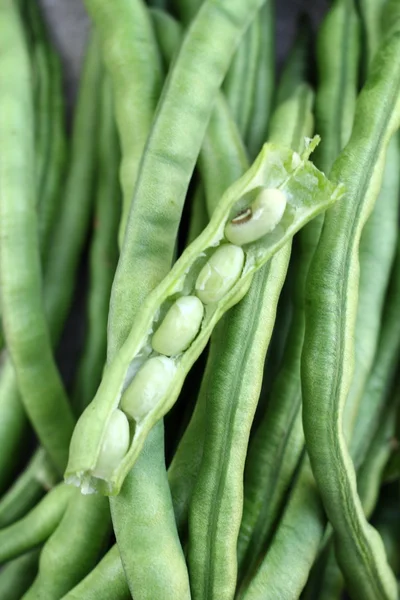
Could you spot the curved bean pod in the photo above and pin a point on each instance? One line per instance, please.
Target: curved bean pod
(209, 43)
(237, 354)
(128, 47)
(170, 579)
(256, 131)
(107, 580)
(21, 283)
(338, 80)
(330, 314)
(103, 254)
(264, 487)
(17, 576)
(73, 548)
(276, 576)
(146, 492)
(222, 155)
(30, 486)
(383, 372)
(13, 422)
(377, 250)
(33, 529)
(292, 177)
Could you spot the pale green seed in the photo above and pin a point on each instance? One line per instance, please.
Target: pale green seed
(220, 273)
(115, 445)
(148, 387)
(260, 218)
(179, 327)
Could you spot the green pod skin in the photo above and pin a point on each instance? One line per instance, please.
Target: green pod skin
(240, 80)
(74, 547)
(182, 114)
(278, 443)
(42, 93)
(107, 580)
(50, 147)
(337, 80)
(276, 576)
(371, 16)
(13, 422)
(377, 250)
(17, 576)
(222, 155)
(233, 383)
(63, 255)
(307, 195)
(103, 254)
(170, 579)
(24, 316)
(256, 131)
(383, 372)
(38, 477)
(146, 489)
(33, 529)
(330, 315)
(370, 475)
(74, 216)
(128, 45)
(185, 464)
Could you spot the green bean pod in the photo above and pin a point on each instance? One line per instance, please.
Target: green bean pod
(146, 492)
(35, 527)
(169, 557)
(38, 477)
(73, 548)
(292, 117)
(370, 474)
(63, 255)
(377, 250)
(307, 191)
(337, 80)
(277, 576)
(107, 580)
(13, 422)
(17, 575)
(330, 315)
(128, 46)
(222, 155)
(256, 131)
(228, 401)
(103, 254)
(383, 372)
(182, 114)
(21, 282)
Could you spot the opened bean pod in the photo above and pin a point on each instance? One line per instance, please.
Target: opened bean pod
(306, 192)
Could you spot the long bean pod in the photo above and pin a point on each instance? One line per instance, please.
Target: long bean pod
(128, 47)
(38, 477)
(33, 529)
(107, 580)
(73, 548)
(230, 406)
(103, 254)
(21, 282)
(330, 314)
(17, 575)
